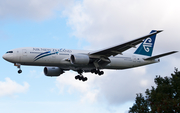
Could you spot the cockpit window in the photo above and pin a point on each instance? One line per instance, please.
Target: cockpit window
(9, 52)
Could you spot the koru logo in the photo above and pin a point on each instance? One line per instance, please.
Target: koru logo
(147, 44)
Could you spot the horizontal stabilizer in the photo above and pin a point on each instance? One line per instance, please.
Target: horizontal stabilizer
(161, 55)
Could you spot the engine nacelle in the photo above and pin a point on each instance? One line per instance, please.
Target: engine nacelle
(79, 59)
(53, 71)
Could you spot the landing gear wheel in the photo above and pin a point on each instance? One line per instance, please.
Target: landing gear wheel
(100, 73)
(77, 77)
(84, 79)
(80, 77)
(19, 71)
(97, 71)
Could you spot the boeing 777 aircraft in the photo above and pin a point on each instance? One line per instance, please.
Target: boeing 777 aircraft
(57, 61)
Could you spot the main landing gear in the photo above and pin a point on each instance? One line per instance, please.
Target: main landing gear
(97, 71)
(80, 76)
(19, 67)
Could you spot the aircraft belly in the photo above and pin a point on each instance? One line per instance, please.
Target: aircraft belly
(126, 62)
(119, 63)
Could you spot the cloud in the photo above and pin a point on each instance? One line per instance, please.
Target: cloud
(105, 23)
(10, 87)
(115, 87)
(119, 87)
(67, 83)
(111, 22)
(31, 9)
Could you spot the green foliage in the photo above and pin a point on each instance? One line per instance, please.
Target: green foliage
(165, 98)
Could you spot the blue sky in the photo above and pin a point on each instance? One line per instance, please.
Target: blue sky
(85, 24)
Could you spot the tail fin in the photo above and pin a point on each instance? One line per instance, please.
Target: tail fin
(146, 47)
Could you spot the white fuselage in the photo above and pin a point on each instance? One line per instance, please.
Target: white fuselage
(61, 58)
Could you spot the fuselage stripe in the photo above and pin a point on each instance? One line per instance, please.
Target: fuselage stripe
(41, 56)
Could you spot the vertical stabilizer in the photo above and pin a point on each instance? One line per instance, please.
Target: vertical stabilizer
(146, 47)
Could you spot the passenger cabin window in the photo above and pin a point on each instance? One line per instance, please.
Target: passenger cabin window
(9, 52)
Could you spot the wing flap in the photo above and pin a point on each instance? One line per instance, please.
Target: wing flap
(161, 55)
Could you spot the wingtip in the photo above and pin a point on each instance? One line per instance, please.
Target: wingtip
(175, 51)
(158, 31)
(172, 52)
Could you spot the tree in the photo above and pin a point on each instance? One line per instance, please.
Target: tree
(165, 98)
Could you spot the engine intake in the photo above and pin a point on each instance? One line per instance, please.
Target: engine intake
(79, 59)
(53, 71)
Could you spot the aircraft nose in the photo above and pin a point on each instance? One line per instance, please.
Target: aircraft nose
(4, 56)
(7, 57)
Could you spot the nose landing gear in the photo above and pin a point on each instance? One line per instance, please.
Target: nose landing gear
(19, 67)
(19, 71)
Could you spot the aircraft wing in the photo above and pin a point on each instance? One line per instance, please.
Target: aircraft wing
(115, 50)
(161, 55)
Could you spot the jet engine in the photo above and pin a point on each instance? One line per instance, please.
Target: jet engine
(53, 71)
(79, 59)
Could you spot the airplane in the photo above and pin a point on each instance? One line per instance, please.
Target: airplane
(59, 60)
